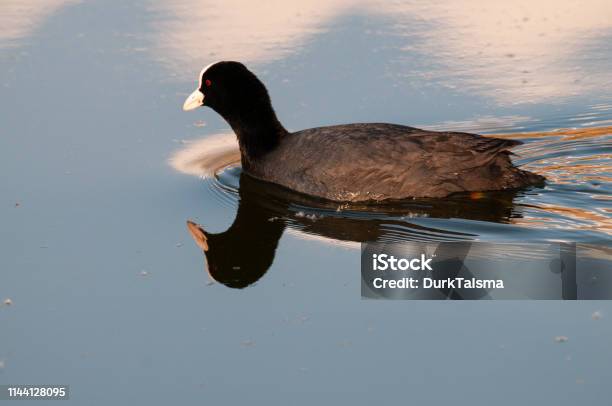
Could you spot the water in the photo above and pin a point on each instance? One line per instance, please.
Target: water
(101, 170)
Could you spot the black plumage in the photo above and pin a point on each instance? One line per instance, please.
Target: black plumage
(355, 162)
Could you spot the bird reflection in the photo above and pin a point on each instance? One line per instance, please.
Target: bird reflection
(241, 255)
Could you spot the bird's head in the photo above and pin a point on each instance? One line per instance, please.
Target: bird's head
(230, 89)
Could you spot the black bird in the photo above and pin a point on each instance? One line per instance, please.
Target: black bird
(366, 162)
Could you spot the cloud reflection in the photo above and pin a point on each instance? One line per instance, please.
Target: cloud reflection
(20, 17)
(519, 52)
(199, 31)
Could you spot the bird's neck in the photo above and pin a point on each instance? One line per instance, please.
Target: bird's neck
(258, 133)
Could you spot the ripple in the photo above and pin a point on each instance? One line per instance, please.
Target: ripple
(578, 166)
(207, 156)
(575, 204)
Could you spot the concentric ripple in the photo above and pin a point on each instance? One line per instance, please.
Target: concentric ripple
(577, 164)
(575, 205)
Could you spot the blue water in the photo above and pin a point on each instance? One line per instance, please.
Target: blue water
(109, 292)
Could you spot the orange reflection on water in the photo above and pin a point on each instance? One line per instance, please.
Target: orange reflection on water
(569, 168)
(580, 219)
(568, 134)
(572, 169)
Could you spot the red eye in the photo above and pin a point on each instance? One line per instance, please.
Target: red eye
(208, 82)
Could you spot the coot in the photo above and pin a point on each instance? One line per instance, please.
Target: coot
(352, 162)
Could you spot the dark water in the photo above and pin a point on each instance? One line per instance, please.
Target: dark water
(109, 291)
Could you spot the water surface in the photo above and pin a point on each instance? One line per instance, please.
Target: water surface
(101, 170)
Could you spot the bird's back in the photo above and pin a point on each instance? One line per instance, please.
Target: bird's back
(376, 161)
